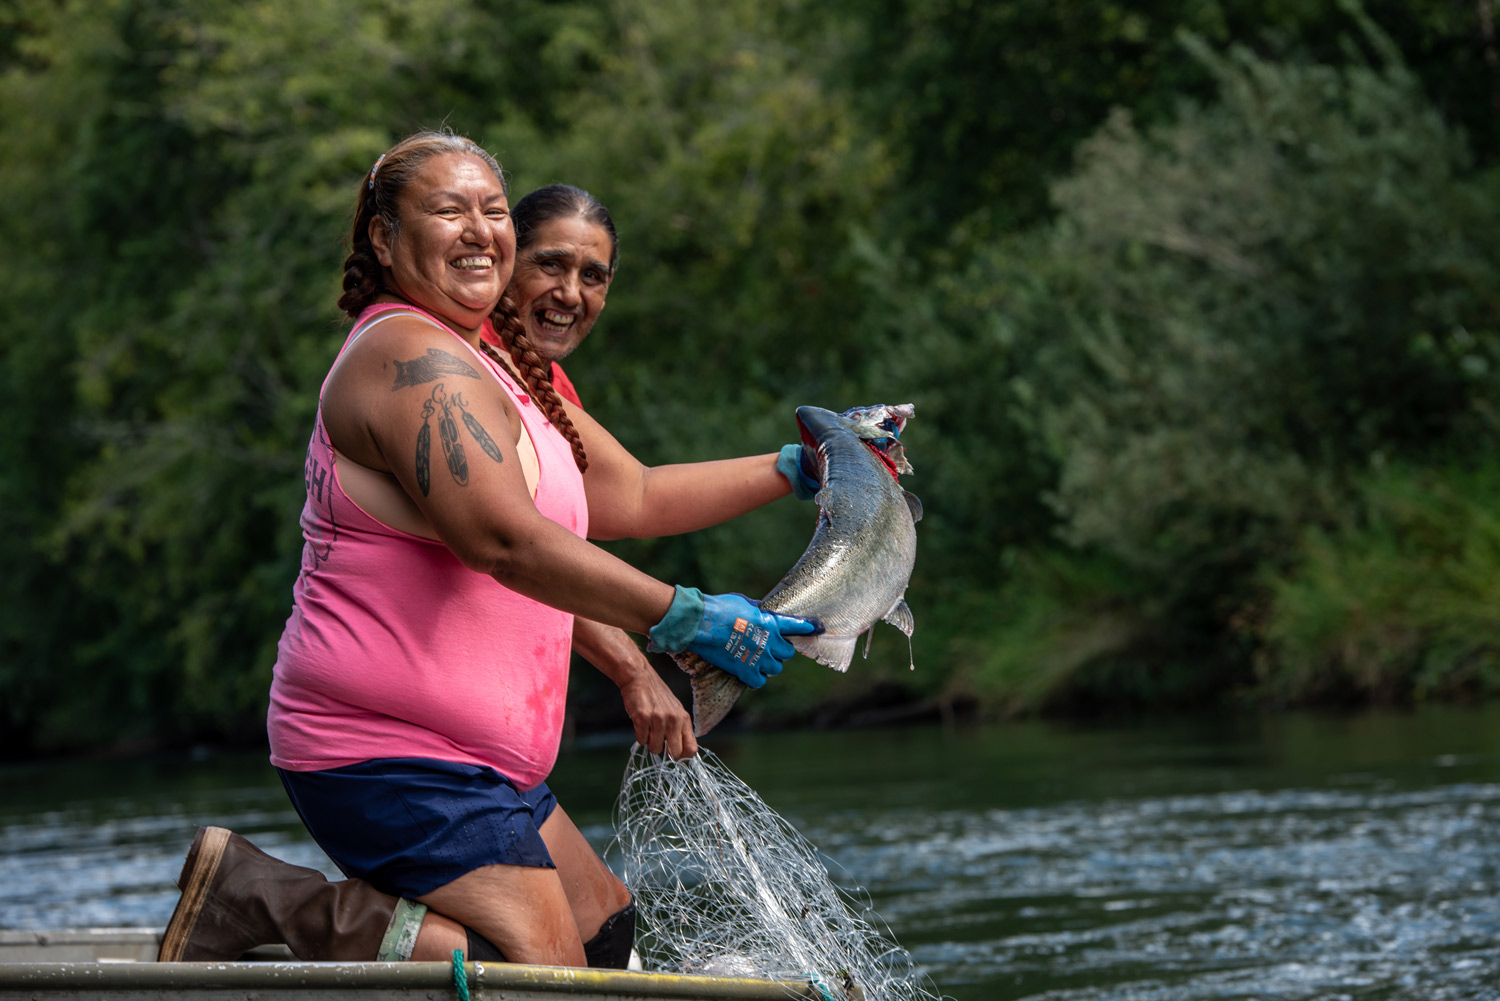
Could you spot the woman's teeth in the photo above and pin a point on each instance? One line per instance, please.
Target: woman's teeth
(554, 321)
(473, 263)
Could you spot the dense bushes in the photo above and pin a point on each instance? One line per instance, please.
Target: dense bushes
(1245, 317)
(1212, 421)
(1400, 600)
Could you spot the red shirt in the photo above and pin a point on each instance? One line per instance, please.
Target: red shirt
(564, 385)
(560, 380)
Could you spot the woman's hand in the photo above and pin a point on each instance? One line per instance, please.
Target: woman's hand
(800, 468)
(661, 723)
(731, 632)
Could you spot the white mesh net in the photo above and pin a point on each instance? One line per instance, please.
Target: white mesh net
(725, 886)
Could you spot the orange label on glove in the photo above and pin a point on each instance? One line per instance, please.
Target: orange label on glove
(746, 647)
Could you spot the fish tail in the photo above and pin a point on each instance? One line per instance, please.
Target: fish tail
(714, 691)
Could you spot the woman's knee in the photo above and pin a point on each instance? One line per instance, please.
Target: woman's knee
(523, 912)
(612, 944)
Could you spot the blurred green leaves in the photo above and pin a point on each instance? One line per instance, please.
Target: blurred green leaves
(1174, 286)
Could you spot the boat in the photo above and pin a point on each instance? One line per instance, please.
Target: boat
(119, 964)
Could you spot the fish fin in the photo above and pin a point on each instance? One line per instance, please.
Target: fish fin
(836, 652)
(900, 616)
(914, 505)
(869, 638)
(897, 454)
(714, 691)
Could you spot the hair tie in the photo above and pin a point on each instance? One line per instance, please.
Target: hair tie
(375, 168)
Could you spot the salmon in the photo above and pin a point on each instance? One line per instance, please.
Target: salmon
(855, 571)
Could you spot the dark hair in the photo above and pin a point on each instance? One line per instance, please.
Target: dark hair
(559, 201)
(364, 278)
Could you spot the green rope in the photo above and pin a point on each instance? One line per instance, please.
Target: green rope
(822, 988)
(460, 977)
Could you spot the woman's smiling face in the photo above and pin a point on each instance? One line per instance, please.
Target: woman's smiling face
(455, 248)
(561, 279)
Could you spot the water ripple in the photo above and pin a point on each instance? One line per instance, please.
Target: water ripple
(1286, 894)
(1189, 869)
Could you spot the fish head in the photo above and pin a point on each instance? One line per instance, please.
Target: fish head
(878, 426)
(881, 422)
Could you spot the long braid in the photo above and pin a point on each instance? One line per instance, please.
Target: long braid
(363, 276)
(362, 282)
(535, 373)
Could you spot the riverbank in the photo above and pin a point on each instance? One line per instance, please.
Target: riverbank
(595, 714)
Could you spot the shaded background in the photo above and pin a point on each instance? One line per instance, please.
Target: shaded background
(1197, 302)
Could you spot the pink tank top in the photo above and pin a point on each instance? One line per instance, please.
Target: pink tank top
(395, 649)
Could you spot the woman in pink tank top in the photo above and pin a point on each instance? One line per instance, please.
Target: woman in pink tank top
(417, 700)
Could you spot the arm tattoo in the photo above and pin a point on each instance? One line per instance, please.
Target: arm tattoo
(453, 449)
(424, 451)
(425, 369)
(453, 446)
(477, 430)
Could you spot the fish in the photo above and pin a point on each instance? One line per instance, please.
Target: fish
(855, 570)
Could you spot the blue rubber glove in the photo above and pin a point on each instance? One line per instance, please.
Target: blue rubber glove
(729, 631)
(794, 465)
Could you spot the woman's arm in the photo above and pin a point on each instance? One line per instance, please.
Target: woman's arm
(630, 500)
(406, 398)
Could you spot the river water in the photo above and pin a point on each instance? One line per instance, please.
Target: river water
(1285, 857)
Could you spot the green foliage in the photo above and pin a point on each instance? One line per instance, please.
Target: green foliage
(1267, 297)
(1400, 602)
(1266, 273)
(208, 189)
(731, 175)
(1235, 316)
(984, 104)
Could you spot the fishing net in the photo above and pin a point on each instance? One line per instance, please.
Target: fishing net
(724, 886)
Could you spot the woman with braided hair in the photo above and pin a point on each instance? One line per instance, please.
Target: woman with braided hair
(566, 253)
(417, 699)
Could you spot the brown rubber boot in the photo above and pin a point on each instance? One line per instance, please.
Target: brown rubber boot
(236, 897)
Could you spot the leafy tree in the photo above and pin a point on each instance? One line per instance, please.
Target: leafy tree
(1276, 292)
(984, 104)
(1348, 623)
(1247, 311)
(79, 128)
(182, 357)
(1257, 283)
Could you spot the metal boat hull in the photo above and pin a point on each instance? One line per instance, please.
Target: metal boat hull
(119, 965)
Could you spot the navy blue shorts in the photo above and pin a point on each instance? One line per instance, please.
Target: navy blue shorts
(411, 825)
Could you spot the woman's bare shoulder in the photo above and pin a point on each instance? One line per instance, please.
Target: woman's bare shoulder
(385, 386)
(405, 351)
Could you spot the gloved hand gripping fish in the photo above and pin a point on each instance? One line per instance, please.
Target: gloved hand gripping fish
(856, 568)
